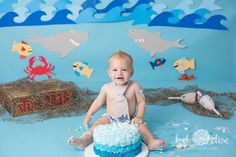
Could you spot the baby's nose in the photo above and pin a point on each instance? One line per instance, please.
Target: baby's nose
(119, 72)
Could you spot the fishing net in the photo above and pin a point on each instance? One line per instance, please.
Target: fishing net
(83, 98)
(225, 102)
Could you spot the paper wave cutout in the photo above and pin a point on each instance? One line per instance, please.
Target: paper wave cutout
(193, 20)
(140, 13)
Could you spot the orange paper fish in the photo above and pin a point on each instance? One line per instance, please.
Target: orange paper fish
(22, 48)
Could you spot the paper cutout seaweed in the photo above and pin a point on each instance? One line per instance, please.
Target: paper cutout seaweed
(182, 65)
(152, 42)
(62, 43)
(22, 48)
(81, 68)
(39, 70)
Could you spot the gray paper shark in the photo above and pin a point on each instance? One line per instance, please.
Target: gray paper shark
(152, 42)
(62, 43)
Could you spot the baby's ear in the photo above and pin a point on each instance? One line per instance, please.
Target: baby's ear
(132, 73)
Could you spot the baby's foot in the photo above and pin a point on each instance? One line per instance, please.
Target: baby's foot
(155, 144)
(79, 143)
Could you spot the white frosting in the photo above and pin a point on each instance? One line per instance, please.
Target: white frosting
(117, 134)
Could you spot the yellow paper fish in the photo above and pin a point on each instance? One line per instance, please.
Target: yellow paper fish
(184, 64)
(22, 48)
(81, 68)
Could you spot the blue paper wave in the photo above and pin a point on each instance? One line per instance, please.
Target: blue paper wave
(87, 16)
(202, 12)
(90, 4)
(35, 19)
(140, 2)
(113, 4)
(140, 13)
(114, 15)
(7, 20)
(194, 20)
(176, 13)
(162, 19)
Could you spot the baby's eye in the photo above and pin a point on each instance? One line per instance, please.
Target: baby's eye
(114, 69)
(124, 69)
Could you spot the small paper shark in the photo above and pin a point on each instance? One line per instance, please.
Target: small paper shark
(81, 68)
(62, 43)
(153, 42)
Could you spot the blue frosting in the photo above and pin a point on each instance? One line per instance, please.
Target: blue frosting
(117, 140)
(131, 153)
(125, 134)
(117, 149)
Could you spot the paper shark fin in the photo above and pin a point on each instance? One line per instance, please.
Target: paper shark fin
(152, 53)
(178, 44)
(63, 54)
(35, 37)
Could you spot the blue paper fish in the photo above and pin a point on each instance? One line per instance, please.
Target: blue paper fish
(81, 68)
(159, 62)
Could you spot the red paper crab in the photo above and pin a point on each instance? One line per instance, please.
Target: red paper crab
(46, 69)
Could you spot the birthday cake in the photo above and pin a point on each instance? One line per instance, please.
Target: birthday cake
(117, 140)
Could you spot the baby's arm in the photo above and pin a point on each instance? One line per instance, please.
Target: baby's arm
(141, 104)
(140, 101)
(97, 103)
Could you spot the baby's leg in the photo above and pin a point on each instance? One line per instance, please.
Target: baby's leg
(152, 143)
(87, 137)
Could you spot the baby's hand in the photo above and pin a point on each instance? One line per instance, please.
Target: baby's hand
(86, 126)
(137, 121)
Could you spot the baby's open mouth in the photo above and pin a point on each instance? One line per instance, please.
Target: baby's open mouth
(119, 78)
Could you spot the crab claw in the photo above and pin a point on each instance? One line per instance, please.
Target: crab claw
(42, 59)
(32, 60)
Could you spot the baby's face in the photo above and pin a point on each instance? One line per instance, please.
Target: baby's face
(120, 71)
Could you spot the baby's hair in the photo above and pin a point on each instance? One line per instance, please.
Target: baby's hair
(121, 55)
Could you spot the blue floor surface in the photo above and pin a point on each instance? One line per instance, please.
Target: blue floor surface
(172, 123)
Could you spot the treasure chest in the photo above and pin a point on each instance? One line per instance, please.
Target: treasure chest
(26, 97)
